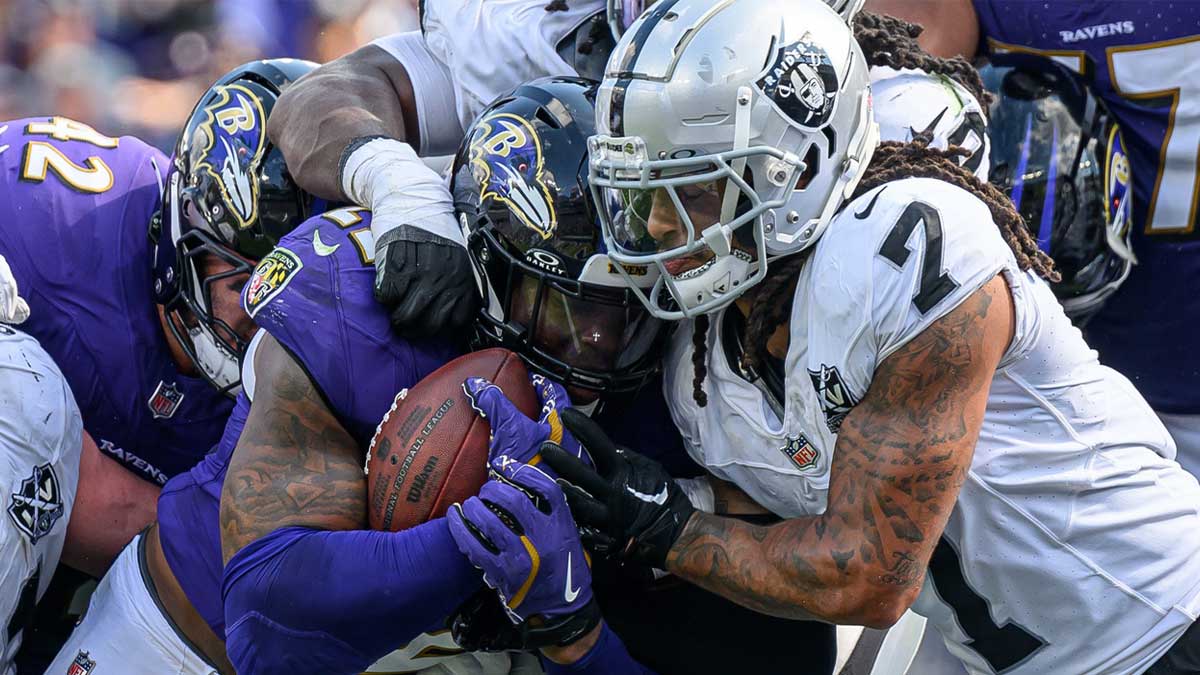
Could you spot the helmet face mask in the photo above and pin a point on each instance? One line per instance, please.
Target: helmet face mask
(227, 201)
(777, 134)
(551, 294)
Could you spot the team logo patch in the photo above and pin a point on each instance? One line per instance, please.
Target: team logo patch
(37, 503)
(165, 400)
(82, 665)
(800, 451)
(229, 145)
(272, 274)
(507, 161)
(802, 83)
(836, 399)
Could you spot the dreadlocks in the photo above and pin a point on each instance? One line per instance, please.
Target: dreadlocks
(892, 42)
(772, 301)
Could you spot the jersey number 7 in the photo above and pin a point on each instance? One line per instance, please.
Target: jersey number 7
(935, 284)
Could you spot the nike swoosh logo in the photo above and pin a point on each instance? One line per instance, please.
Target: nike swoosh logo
(865, 213)
(660, 498)
(570, 593)
(321, 248)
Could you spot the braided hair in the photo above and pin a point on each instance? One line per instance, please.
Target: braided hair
(772, 302)
(892, 42)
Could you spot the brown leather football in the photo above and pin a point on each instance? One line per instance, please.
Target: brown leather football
(430, 450)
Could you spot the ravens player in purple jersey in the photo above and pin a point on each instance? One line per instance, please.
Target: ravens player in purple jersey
(1142, 58)
(146, 329)
(277, 511)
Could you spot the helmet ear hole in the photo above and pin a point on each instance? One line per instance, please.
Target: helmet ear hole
(812, 166)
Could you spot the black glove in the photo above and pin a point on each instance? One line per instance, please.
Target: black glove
(426, 282)
(481, 625)
(628, 507)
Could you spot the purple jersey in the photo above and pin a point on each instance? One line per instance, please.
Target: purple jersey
(1142, 57)
(314, 294)
(74, 210)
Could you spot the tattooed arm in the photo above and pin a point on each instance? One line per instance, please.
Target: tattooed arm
(292, 518)
(902, 455)
(294, 463)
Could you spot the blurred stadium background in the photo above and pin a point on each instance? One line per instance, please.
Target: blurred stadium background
(137, 66)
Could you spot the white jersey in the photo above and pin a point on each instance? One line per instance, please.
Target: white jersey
(911, 101)
(476, 50)
(41, 435)
(1074, 543)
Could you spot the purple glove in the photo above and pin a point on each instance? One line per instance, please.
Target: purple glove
(514, 435)
(519, 531)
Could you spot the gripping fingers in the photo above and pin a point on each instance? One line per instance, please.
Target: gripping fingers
(573, 470)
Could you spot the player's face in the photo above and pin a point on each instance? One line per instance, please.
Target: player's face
(702, 203)
(224, 289)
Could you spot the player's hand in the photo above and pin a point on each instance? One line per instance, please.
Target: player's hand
(514, 435)
(628, 507)
(426, 282)
(519, 531)
(13, 308)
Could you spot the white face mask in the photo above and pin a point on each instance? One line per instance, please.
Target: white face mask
(214, 358)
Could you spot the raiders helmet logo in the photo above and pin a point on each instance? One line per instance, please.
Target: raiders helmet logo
(802, 84)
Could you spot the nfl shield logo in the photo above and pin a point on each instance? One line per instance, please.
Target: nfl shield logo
(165, 400)
(82, 665)
(802, 454)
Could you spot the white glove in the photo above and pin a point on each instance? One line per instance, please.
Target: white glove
(13, 308)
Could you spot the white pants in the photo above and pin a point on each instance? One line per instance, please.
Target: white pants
(1185, 429)
(41, 435)
(124, 631)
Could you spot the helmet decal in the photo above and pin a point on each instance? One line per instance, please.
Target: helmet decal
(229, 145)
(506, 158)
(1116, 181)
(802, 83)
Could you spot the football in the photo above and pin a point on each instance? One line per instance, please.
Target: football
(431, 448)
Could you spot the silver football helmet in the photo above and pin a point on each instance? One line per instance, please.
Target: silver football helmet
(622, 13)
(747, 123)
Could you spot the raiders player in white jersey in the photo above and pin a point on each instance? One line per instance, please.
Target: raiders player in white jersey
(899, 382)
(353, 129)
(49, 466)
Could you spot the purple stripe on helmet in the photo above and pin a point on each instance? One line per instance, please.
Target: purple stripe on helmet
(1047, 224)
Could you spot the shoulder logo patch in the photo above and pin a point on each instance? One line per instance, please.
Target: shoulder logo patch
(802, 83)
(508, 163)
(836, 399)
(37, 504)
(800, 451)
(270, 277)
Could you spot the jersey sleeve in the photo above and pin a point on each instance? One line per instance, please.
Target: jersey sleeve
(314, 294)
(433, 90)
(491, 46)
(909, 102)
(894, 261)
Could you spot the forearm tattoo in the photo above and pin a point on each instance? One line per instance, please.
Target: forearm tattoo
(294, 463)
(901, 457)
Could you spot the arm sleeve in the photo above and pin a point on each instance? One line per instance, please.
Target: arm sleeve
(433, 88)
(608, 655)
(309, 601)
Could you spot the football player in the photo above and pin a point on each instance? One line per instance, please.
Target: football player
(61, 495)
(898, 381)
(146, 330)
(276, 512)
(353, 129)
(1140, 59)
